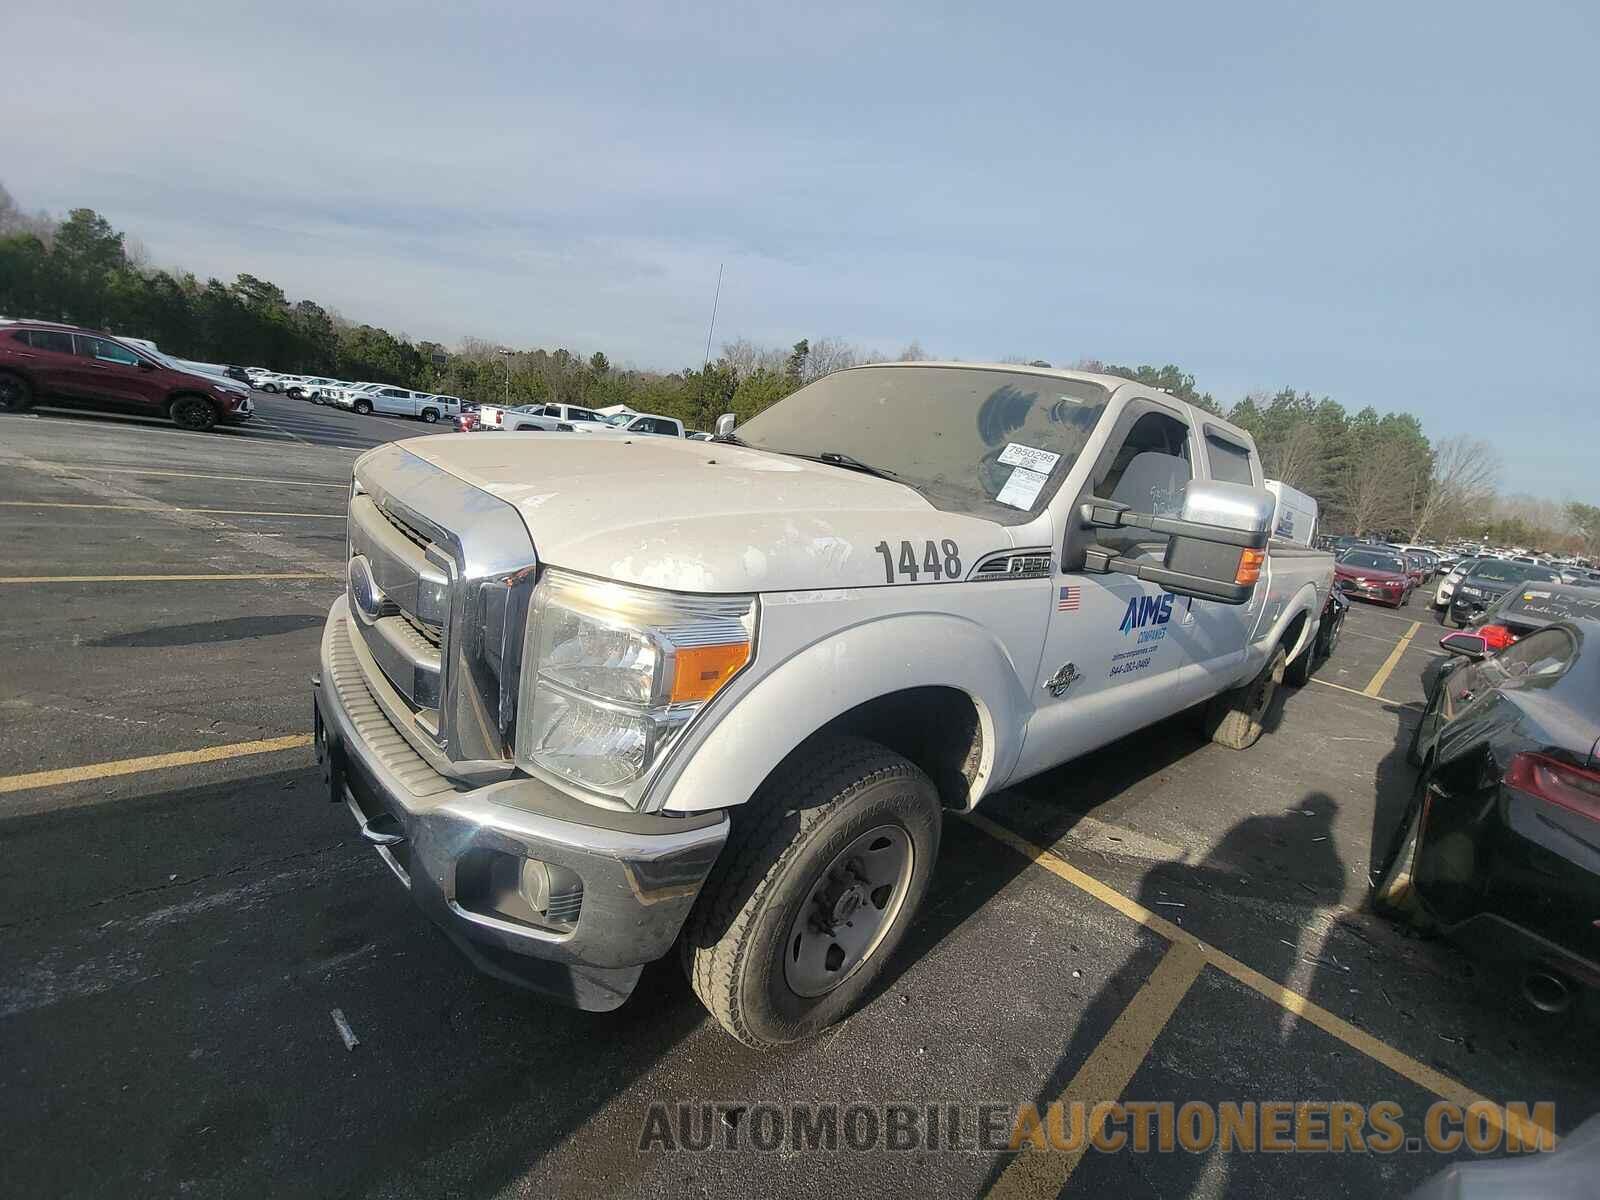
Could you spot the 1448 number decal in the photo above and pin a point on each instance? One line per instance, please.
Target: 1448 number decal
(941, 561)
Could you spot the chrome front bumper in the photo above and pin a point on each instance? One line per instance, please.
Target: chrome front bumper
(640, 873)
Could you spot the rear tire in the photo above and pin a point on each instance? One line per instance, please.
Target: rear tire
(194, 413)
(16, 393)
(1236, 719)
(429, 416)
(1298, 673)
(363, 407)
(821, 877)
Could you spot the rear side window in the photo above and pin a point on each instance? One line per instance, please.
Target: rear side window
(1230, 462)
(48, 339)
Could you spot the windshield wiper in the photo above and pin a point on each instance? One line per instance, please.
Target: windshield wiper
(836, 459)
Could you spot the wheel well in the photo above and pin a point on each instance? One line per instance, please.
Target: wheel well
(1291, 633)
(935, 727)
(431, 409)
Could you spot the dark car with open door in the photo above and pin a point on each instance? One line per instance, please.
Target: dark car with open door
(1527, 609)
(1499, 848)
(1490, 579)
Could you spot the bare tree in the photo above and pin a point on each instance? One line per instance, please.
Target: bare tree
(1370, 490)
(913, 353)
(1465, 471)
(830, 354)
(746, 358)
(1296, 458)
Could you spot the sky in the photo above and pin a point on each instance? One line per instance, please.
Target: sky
(1390, 204)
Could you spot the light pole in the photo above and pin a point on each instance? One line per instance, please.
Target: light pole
(506, 354)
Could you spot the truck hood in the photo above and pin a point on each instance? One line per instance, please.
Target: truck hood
(706, 516)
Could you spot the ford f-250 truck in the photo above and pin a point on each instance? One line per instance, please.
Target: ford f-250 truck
(594, 698)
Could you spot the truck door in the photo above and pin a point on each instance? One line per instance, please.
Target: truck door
(393, 401)
(1120, 653)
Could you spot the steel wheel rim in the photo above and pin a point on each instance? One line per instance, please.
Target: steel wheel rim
(848, 910)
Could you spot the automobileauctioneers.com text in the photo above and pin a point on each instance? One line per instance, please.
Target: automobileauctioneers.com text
(1143, 1127)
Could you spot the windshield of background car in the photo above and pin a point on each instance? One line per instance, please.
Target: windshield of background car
(957, 435)
(1496, 570)
(1366, 560)
(1550, 604)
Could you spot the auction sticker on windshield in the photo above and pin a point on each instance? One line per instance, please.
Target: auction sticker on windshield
(1017, 455)
(1023, 488)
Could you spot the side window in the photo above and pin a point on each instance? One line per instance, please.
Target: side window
(103, 350)
(581, 414)
(1544, 653)
(50, 340)
(1230, 462)
(394, 392)
(1149, 471)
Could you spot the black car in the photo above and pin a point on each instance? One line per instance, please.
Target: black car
(238, 373)
(1489, 579)
(1529, 608)
(1500, 846)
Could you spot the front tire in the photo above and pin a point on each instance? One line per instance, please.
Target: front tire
(16, 393)
(821, 877)
(193, 412)
(1237, 719)
(1393, 895)
(363, 407)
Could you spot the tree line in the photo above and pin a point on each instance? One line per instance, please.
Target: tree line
(1370, 472)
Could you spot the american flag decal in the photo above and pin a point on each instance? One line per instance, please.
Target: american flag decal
(1069, 599)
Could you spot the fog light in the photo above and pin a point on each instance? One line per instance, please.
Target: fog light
(553, 892)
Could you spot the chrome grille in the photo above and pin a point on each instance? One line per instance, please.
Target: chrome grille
(446, 570)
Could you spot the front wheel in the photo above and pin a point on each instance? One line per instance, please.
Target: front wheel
(822, 875)
(269, 387)
(1237, 719)
(16, 393)
(193, 412)
(1394, 895)
(363, 407)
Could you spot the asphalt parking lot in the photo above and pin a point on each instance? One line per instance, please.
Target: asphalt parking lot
(183, 910)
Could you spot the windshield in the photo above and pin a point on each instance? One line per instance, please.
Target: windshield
(1369, 561)
(1497, 570)
(994, 444)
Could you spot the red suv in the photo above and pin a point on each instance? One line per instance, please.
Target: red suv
(44, 359)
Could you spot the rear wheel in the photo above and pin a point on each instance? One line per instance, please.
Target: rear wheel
(16, 393)
(430, 415)
(193, 412)
(363, 407)
(822, 875)
(1237, 718)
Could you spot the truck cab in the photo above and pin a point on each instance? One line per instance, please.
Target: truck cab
(605, 696)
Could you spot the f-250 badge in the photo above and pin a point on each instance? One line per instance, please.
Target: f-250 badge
(1058, 683)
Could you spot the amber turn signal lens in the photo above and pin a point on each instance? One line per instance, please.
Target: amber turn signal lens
(1250, 566)
(700, 670)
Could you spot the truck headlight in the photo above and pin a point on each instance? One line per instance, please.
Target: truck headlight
(616, 672)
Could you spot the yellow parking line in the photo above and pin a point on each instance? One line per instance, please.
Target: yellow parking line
(1107, 1072)
(165, 578)
(1401, 1064)
(168, 508)
(152, 762)
(1365, 695)
(1389, 664)
(99, 470)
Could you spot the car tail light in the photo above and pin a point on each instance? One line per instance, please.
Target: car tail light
(1576, 789)
(1496, 637)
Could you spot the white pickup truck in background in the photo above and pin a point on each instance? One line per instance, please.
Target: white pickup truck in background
(397, 402)
(606, 696)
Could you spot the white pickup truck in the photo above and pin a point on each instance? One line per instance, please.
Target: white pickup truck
(593, 698)
(536, 418)
(367, 398)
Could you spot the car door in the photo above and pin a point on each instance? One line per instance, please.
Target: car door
(393, 401)
(108, 370)
(49, 358)
(1120, 653)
